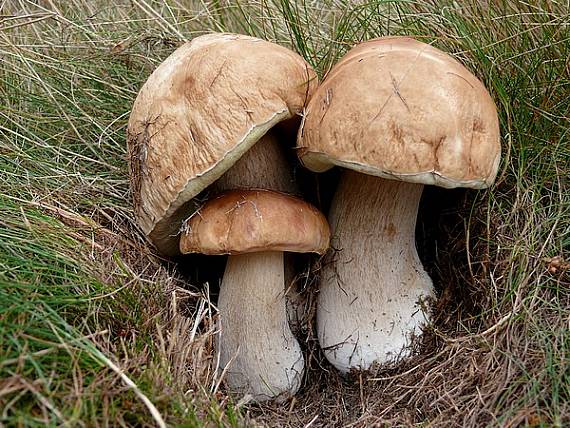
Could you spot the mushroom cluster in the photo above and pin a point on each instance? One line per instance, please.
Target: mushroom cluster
(395, 113)
(198, 113)
(255, 227)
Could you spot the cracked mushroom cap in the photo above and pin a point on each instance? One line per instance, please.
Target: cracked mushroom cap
(248, 221)
(401, 109)
(198, 113)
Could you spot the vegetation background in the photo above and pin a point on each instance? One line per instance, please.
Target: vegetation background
(96, 330)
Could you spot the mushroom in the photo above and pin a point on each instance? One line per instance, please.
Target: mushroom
(398, 114)
(257, 350)
(201, 110)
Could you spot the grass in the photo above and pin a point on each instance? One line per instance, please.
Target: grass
(95, 329)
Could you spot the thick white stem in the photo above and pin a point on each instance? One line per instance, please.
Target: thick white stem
(255, 342)
(373, 289)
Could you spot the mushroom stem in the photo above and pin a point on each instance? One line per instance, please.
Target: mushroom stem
(372, 288)
(255, 342)
(263, 166)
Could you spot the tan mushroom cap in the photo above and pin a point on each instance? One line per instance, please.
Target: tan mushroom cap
(198, 113)
(401, 109)
(247, 221)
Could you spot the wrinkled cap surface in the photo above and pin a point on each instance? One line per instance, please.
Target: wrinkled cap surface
(397, 108)
(198, 113)
(247, 221)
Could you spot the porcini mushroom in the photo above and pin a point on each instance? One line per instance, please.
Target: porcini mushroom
(397, 114)
(257, 349)
(204, 107)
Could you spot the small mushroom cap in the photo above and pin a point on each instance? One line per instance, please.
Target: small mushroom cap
(247, 221)
(198, 113)
(401, 109)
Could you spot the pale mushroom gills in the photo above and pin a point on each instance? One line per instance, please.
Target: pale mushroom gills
(258, 352)
(397, 114)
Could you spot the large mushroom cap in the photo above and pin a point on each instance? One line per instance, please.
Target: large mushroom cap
(198, 113)
(247, 221)
(397, 108)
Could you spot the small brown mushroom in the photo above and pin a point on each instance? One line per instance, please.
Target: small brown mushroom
(397, 114)
(257, 349)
